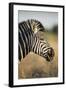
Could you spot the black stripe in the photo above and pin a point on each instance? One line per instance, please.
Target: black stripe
(47, 49)
(26, 29)
(21, 43)
(43, 46)
(24, 38)
(36, 48)
(36, 45)
(29, 25)
(35, 40)
(19, 53)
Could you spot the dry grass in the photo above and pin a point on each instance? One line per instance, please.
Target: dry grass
(35, 66)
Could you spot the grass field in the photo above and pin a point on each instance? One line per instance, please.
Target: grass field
(35, 66)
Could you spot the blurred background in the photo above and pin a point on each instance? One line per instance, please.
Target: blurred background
(48, 19)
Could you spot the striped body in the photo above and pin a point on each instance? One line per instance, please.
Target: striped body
(28, 40)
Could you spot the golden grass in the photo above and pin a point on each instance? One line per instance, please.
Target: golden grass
(35, 66)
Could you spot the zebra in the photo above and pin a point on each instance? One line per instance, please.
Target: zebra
(30, 42)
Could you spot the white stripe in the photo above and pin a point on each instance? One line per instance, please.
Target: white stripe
(21, 51)
(36, 42)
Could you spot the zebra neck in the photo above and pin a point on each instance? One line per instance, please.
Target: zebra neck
(36, 46)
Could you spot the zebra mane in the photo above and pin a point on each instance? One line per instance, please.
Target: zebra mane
(35, 25)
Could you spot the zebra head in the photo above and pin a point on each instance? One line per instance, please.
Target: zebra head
(47, 51)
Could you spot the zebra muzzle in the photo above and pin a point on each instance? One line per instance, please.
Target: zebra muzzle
(50, 54)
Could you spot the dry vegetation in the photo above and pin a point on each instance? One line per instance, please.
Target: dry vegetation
(35, 66)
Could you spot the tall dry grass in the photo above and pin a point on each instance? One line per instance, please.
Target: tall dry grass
(35, 66)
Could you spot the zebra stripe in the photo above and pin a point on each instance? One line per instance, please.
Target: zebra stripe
(28, 41)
